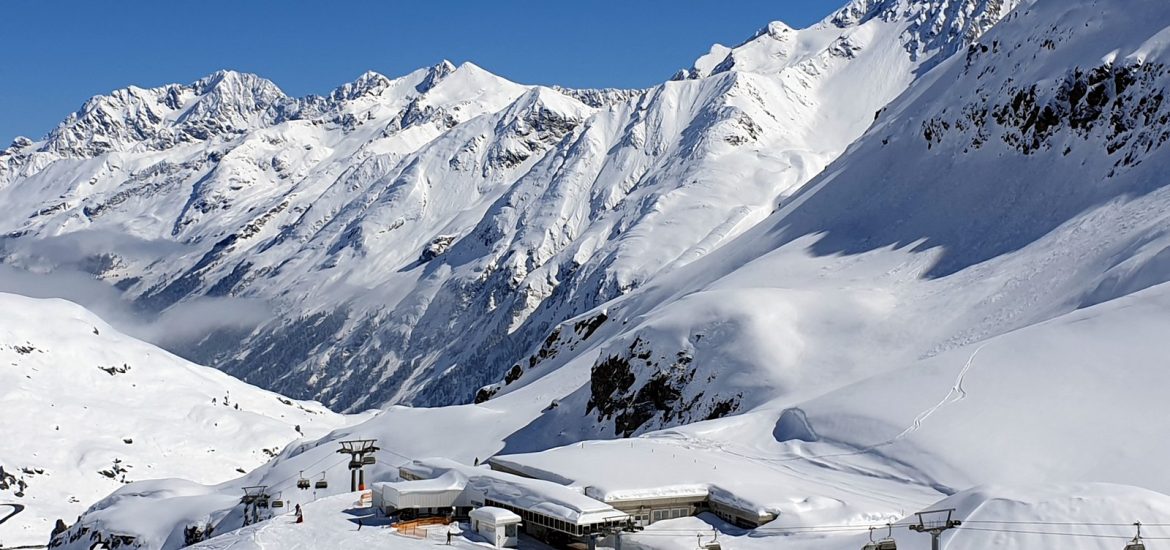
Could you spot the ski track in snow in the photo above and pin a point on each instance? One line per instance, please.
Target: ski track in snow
(956, 394)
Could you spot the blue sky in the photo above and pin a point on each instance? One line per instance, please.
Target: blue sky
(56, 54)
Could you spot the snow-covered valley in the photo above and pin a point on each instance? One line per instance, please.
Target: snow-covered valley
(911, 257)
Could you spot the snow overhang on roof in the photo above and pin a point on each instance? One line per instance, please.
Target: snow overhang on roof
(497, 516)
(544, 497)
(449, 481)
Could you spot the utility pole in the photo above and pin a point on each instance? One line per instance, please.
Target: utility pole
(935, 522)
(357, 449)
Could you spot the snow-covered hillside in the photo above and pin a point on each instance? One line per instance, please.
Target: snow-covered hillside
(394, 212)
(87, 409)
(967, 307)
(987, 415)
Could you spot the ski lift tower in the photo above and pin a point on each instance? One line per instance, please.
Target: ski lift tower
(357, 449)
(935, 522)
(255, 497)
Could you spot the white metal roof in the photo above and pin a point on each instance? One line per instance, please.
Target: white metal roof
(545, 497)
(449, 481)
(497, 516)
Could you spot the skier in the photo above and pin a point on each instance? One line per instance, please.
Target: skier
(300, 516)
(448, 538)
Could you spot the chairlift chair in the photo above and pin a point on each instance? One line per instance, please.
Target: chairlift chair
(1136, 543)
(303, 482)
(887, 543)
(321, 483)
(367, 460)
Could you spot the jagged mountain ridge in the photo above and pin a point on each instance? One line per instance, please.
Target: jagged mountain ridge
(395, 212)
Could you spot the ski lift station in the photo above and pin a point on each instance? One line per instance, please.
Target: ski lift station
(546, 509)
(652, 501)
(499, 526)
(440, 496)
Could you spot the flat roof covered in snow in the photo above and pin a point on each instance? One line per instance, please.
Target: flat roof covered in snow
(449, 481)
(493, 515)
(543, 497)
(652, 468)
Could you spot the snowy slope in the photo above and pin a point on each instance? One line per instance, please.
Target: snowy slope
(919, 239)
(87, 409)
(864, 455)
(975, 292)
(332, 522)
(1081, 516)
(380, 219)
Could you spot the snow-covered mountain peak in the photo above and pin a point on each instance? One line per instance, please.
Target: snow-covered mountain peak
(545, 201)
(923, 28)
(226, 82)
(156, 119)
(468, 88)
(552, 99)
(776, 30)
(945, 25)
(370, 83)
(232, 101)
(434, 75)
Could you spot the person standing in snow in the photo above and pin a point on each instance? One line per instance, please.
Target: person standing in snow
(300, 516)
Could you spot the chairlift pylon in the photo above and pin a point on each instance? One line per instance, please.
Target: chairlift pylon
(1136, 543)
